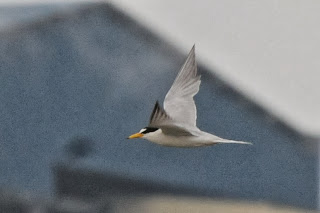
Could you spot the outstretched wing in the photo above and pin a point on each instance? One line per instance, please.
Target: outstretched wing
(179, 103)
(160, 119)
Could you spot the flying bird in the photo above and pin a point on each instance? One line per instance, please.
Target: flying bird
(175, 125)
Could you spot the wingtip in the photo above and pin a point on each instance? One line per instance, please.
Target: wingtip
(155, 109)
(193, 47)
(192, 53)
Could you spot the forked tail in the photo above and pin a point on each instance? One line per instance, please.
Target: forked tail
(232, 141)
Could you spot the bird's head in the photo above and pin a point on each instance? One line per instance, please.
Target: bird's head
(145, 132)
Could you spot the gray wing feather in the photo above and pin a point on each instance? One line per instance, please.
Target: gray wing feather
(179, 103)
(160, 119)
(175, 130)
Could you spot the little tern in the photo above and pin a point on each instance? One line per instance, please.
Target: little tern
(175, 125)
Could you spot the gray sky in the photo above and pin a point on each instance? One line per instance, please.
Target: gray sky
(267, 49)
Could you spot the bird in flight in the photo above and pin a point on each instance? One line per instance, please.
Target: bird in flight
(175, 125)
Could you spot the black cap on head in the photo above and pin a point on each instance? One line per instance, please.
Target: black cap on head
(148, 130)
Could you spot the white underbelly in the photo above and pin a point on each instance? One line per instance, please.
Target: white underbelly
(181, 141)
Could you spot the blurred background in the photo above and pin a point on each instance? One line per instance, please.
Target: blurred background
(78, 77)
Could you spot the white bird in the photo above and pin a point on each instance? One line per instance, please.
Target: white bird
(175, 125)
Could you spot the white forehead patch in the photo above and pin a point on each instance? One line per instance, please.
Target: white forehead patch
(142, 130)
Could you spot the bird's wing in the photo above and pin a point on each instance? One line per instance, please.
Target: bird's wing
(179, 103)
(160, 119)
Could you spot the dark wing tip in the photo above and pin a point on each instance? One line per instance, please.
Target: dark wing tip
(157, 113)
(154, 111)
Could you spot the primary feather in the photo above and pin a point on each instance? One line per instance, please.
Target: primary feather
(179, 103)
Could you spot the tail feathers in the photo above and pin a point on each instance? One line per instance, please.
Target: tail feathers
(232, 141)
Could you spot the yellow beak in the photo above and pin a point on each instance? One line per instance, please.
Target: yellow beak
(137, 135)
